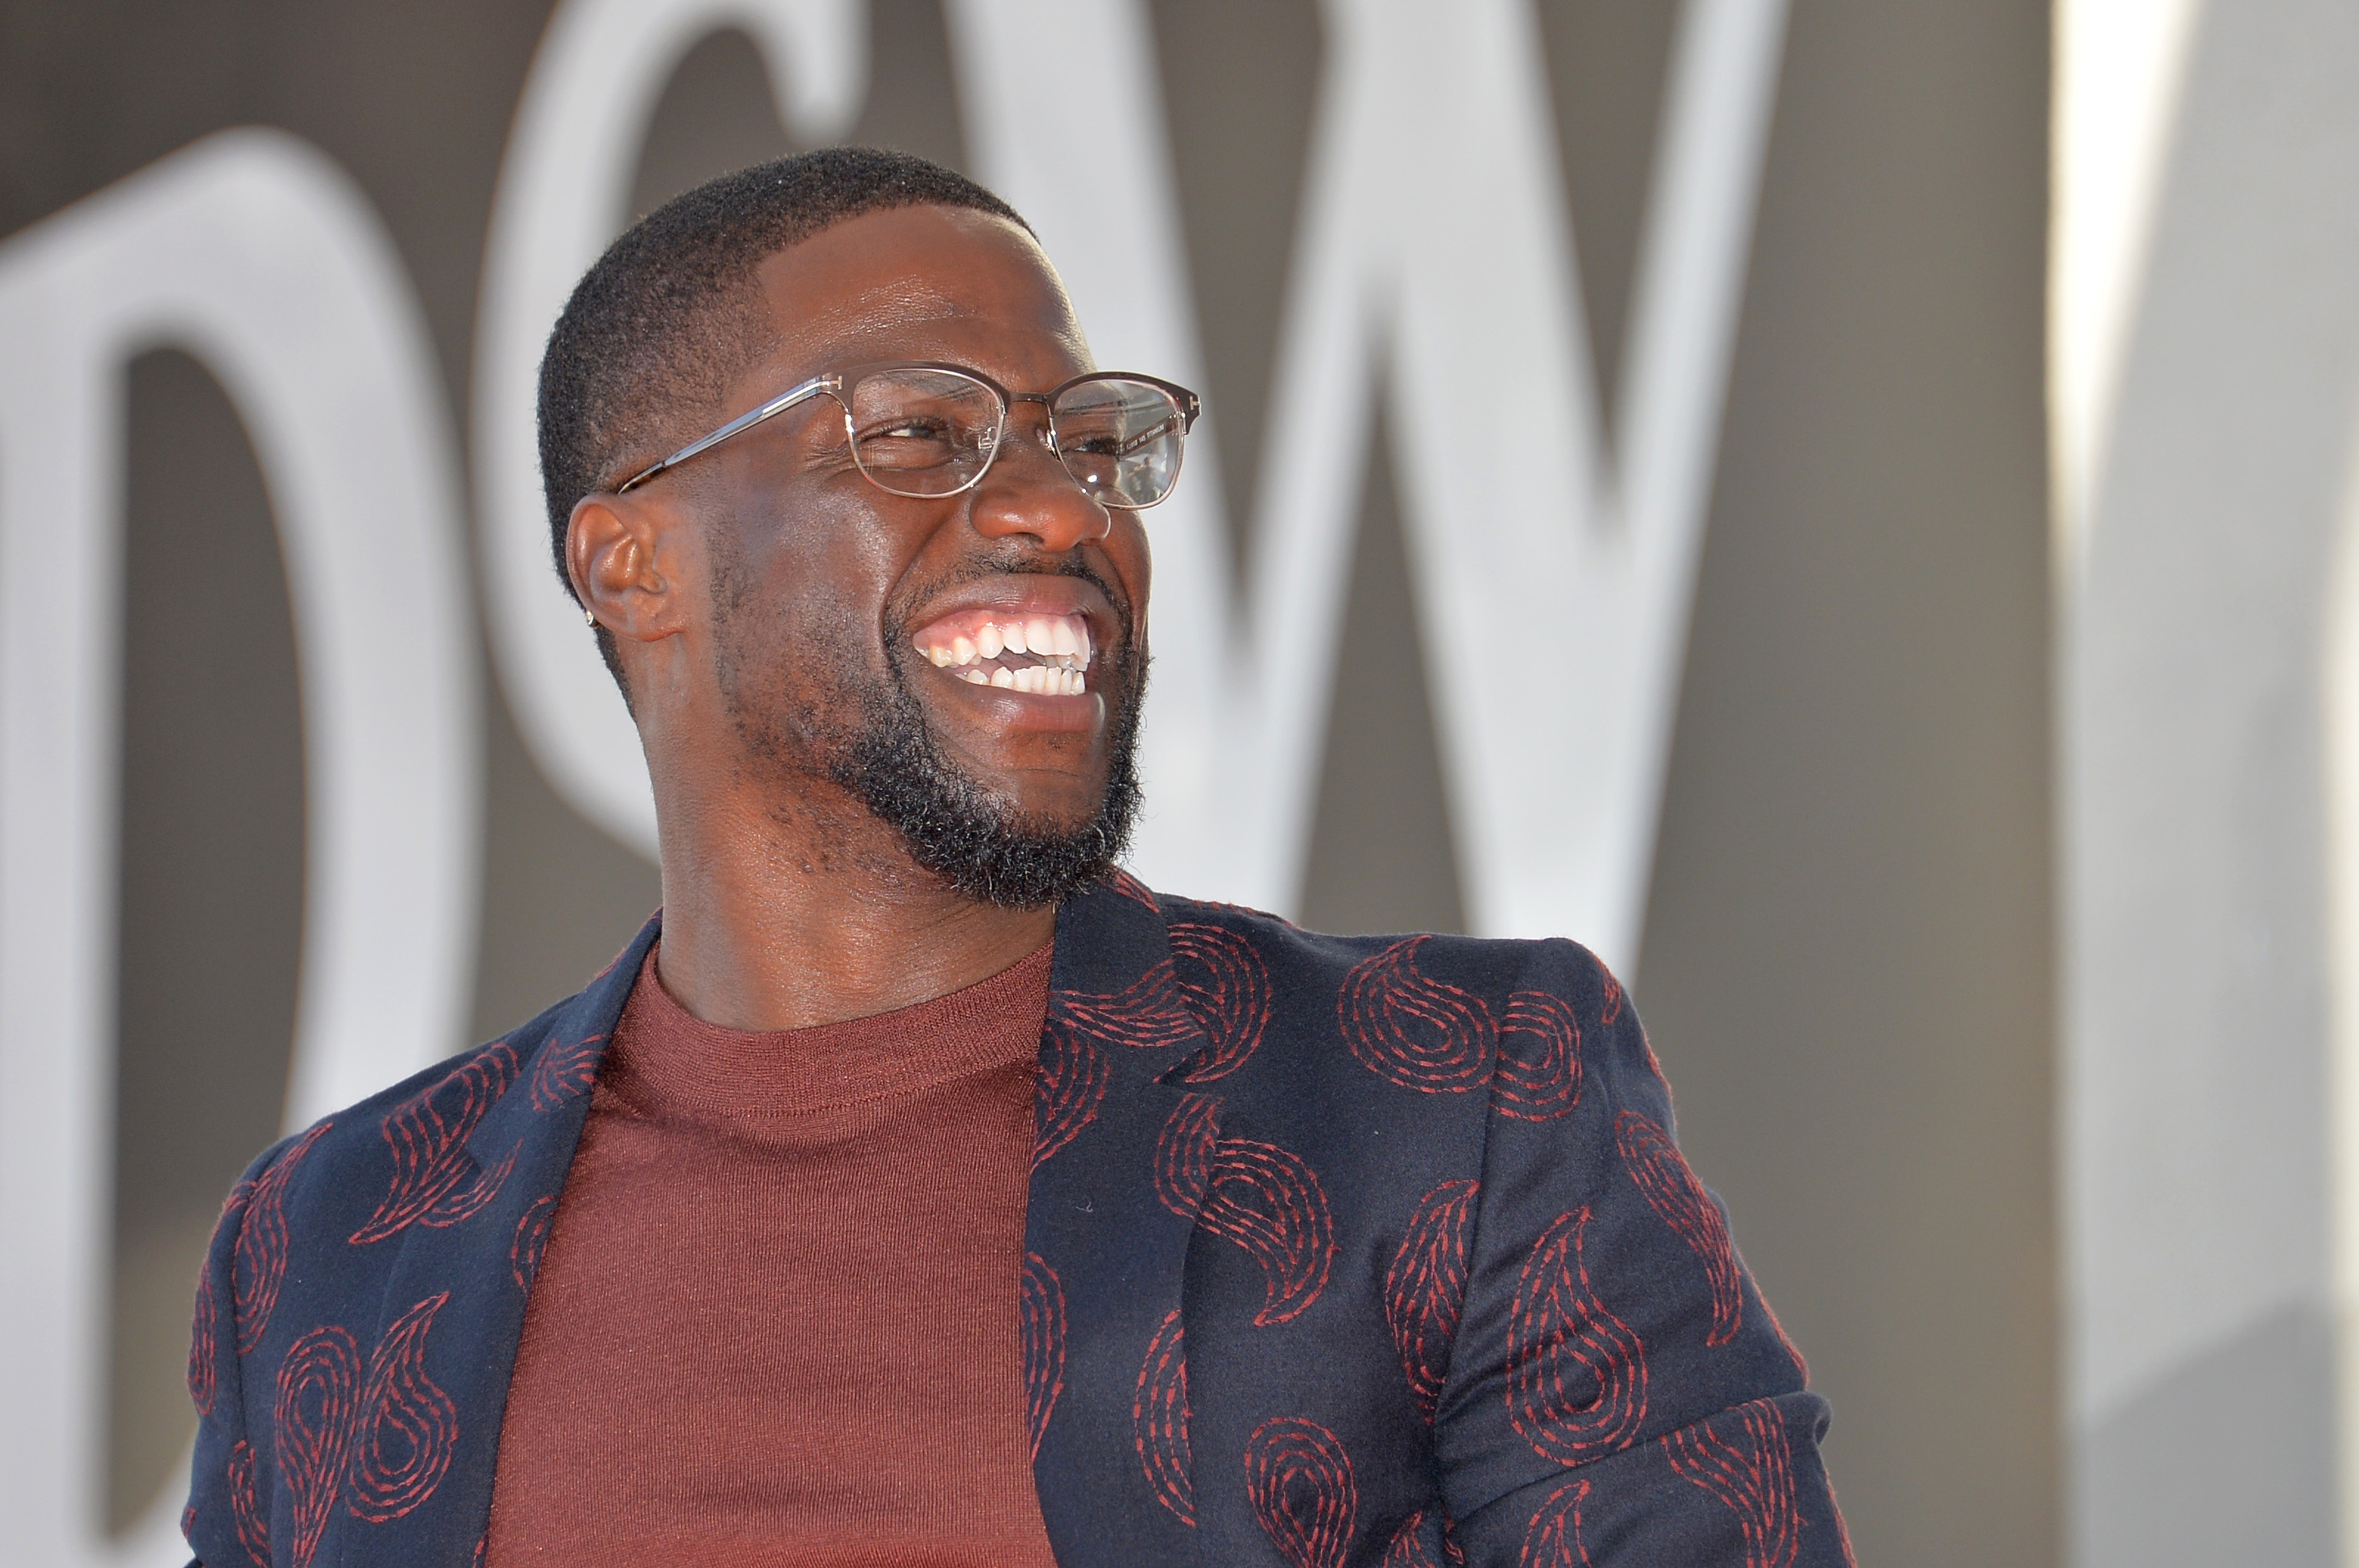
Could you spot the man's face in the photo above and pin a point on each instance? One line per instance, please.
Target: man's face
(850, 627)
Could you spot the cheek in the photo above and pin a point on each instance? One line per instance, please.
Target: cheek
(822, 579)
(808, 649)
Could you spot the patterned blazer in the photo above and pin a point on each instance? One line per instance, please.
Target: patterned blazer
(1339, 1251)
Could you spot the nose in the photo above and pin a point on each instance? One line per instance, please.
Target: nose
(1028, 491)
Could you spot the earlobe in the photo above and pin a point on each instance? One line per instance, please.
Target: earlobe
(610, 554)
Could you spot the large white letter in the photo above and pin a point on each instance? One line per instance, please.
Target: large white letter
(254, 253)
(1555, 583)
(1556, 592)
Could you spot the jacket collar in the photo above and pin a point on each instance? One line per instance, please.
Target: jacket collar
(1102, 1274)
(487, 1263)
(1105, 1245)
(556, 1059)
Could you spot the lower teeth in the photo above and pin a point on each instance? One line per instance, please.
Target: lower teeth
(1041, 680)
(1046, 682)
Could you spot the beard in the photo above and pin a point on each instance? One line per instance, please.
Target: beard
(958, 829)
(975, 841)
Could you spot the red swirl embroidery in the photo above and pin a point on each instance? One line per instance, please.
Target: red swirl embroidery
(408, 1427)
(311, 1428)
(1266, 1199)
(1146, 1014)
(1553, 1538)
(561, 1072)
(384, 1440)
(1122, 882)
(1671, 1190)
(1742, 1457)
(1409, 1549)
(1414, 1031)
(428, 1134)
(1071, 1086)
(1159, 1420)
(1539, 1075)
(201, 1347)
(259, 1261)
(245, 1506)
(1224, 984)
(1257, 1195)
(1042, 1307)
(1576, 1373)
(1298, 1479)
(531, 1241)
(1425, 1288)
(1183, 1154)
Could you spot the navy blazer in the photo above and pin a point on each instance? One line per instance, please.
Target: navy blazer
(1339, 1251)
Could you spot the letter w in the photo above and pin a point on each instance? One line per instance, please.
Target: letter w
(1435, 259)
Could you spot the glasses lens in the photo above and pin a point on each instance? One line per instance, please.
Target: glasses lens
(923, 433)
(1120, 440)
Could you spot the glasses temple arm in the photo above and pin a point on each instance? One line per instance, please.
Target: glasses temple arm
(742, 422)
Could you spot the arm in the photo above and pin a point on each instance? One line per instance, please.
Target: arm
(226, 1520)
(1618, 1392)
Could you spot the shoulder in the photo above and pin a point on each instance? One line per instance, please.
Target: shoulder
(1360, 971)
(1444, 1018)
(361, 1172)
(433, 1150)
(408, 1154)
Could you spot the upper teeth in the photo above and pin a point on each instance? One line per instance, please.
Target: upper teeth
(1059, 643)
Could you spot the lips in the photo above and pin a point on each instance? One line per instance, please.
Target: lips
(1037, 650)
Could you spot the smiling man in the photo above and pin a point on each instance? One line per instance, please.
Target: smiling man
(917, 1188)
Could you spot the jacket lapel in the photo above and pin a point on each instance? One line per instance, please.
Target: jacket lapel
(454, 1300)
(1106, 1240)
(1105, 1237)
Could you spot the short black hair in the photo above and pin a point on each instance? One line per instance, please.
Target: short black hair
(665, 320)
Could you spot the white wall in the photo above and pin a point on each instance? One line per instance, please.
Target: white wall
(2196, 624)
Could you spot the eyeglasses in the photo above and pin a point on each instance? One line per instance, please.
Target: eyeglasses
(931, 430)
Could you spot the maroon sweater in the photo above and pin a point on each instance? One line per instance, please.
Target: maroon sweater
(776, 1319)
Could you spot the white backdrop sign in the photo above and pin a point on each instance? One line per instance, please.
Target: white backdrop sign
(1555, 590)
(257, 256)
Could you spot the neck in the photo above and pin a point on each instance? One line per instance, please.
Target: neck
(813, 915)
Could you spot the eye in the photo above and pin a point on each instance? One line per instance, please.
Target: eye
(916, 442)
(1113, 442)
(912, 429)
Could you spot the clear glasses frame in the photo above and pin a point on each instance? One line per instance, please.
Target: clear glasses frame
(839, 384)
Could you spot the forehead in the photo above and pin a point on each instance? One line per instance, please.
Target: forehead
(921, 283)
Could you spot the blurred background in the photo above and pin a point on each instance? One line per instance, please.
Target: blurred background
(1915, 644)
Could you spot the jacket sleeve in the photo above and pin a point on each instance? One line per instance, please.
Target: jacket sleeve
(226, 1522)
(1619, 1393)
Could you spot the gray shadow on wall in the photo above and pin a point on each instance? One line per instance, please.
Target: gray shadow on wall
(1239, 86)
(1848, 944)
(717, 114)
(210, 882)
(1605, 65)
(2228, 1458)
(1239, 82)
(1381, 853)
(2199, 812)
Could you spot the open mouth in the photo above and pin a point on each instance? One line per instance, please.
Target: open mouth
(1042, 654)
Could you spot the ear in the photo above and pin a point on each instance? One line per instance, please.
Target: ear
(616, 551)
